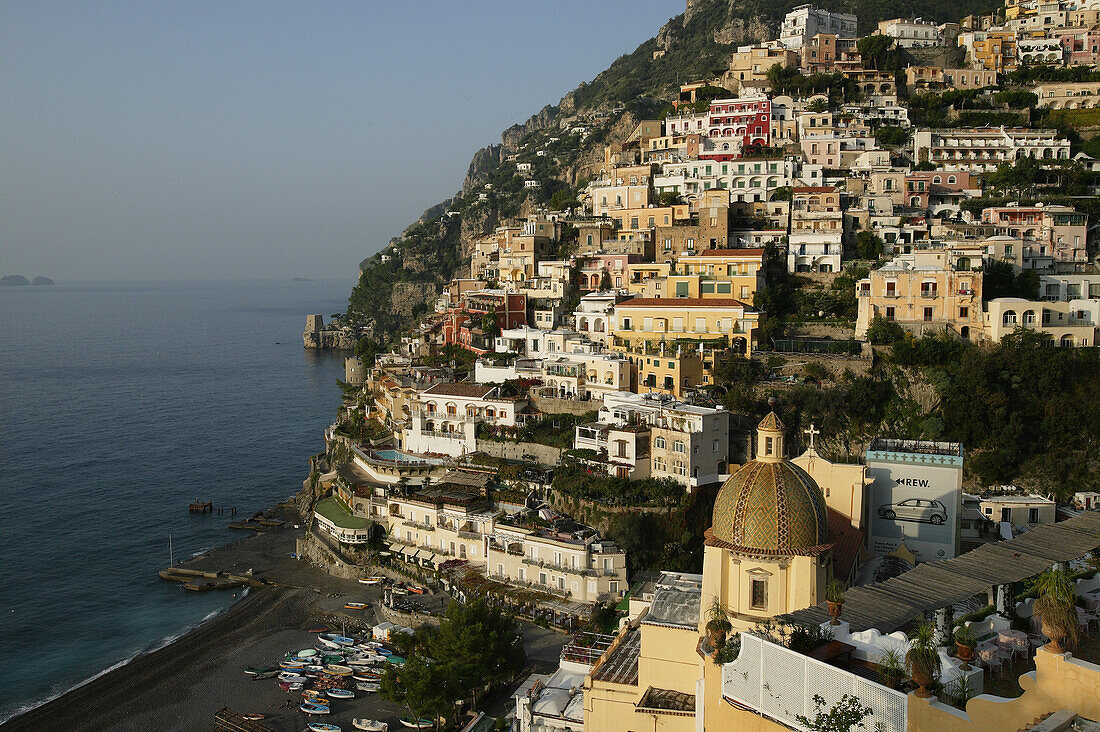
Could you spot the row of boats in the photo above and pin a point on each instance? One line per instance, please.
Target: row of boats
(327, 673)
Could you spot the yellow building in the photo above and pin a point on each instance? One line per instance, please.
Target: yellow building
(923, 297)
(643, 324)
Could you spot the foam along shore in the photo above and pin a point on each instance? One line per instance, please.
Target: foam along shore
(181, 685)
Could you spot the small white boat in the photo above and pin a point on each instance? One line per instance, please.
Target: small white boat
(335, 641)
(307, 653)
(367, 686)
(316, 708)
(291, 676)
(371, 580)
(422, 723)
(322, 727)
(370, 725)
(337, 670)
(340, 694)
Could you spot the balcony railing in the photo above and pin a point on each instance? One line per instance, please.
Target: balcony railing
(418, 525)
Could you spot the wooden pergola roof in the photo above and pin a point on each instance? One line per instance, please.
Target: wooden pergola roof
(889, 605)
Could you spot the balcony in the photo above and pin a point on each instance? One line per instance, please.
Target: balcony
(418, 525)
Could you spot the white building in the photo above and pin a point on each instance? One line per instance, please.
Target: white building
(593, 314)
(806, 21)
(445, 417)
(912, 32)
(687, 443)
(982, 149)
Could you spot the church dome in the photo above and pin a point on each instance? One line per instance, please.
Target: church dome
(770, 505)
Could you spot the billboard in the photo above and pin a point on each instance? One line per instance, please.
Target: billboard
(915, 497)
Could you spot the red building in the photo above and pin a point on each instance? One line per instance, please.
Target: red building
(747, 119)
(462, 325)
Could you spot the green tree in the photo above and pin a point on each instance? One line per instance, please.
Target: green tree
(873, 50)
(423, 686)
(868, 245)
(846, 715)
(883, 332)
(477, 646)
(563, 198)
(669, 198)
(891, 135)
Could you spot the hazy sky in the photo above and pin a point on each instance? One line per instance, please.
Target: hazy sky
(230, 139)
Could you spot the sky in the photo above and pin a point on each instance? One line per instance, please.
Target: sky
(248, 139)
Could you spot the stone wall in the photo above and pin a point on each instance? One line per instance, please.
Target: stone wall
(596, 515)
(544, 454)
(407, 620)
(315, 550)
(564, 406)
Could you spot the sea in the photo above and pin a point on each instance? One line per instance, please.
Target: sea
(120, 403)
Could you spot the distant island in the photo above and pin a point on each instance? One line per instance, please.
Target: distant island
(300, 279)
(20, 280)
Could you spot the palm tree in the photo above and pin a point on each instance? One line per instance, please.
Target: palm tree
(718, 623)
(923, 658)
(1056, 606)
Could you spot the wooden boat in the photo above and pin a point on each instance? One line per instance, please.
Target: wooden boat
(291, 676)
(416, 589)
(307, 653)
(422, 723)
(318, 629)
(335, 641)
(367, 687)
(355, 605)
(290, 685)
(252, 716)
(322, 727)
(266, 675)
(340, 694)
(254, 670)
(396, 660)
(337, 670)
(370, 725)
(371, 580)
(316, 708)
(292, 664)
(384, 652)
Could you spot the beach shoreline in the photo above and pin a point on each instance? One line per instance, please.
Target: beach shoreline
(111, 698)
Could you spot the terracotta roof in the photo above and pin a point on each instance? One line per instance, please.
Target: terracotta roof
(475, 391)
(746, 252)
(683, 302)
(813, 189)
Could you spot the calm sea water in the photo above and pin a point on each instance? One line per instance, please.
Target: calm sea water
(119, 404)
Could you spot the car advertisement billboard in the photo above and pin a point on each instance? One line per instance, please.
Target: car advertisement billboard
(915, 498)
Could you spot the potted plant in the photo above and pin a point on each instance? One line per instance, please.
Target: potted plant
(965, 642)
(891, 665)
(834, 595)
(1056, 605)
(923, 659)
(718, 623)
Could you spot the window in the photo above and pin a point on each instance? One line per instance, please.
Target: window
(542, 578)
(1033, 515)
(889, 313)
(678, 446)
(928, 315)
(659, 442)
(769, 447)
(613, 587)
(759, 594)
(964, 313)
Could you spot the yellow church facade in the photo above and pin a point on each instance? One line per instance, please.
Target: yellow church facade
(767, 553)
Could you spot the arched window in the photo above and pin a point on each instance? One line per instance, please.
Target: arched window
(490, 412)
(950, 179)
(1067, 341)
(452, 409)
(1009, 318)
(659, 442)
(1029, 317)
(678, 446)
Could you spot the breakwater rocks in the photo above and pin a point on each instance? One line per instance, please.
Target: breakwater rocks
(317, 335)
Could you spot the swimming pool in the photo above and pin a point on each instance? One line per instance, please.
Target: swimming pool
(396, 456)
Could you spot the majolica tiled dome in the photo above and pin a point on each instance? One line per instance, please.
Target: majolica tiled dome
(770, 505)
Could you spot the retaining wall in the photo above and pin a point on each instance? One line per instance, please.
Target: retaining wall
(544, 454)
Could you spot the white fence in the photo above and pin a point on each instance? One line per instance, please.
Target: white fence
(780, 683)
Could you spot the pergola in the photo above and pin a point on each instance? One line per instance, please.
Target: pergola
(936, 586)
